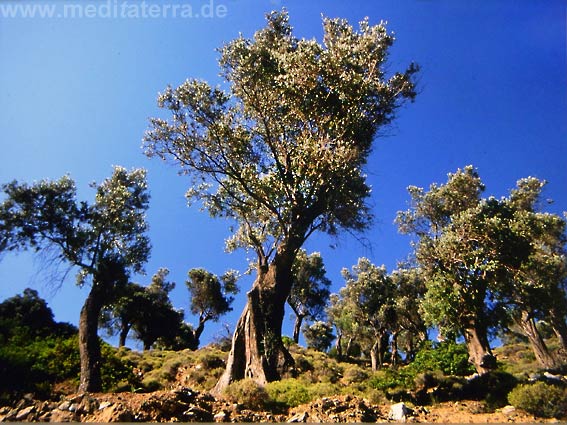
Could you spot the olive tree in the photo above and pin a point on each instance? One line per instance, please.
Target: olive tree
(310, 289)
(529, 245)
(211, 297)
(456, 264)
(105, 241)
(282, 153)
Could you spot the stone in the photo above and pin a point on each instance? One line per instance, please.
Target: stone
(104, 405)
(399, 412)
(508, 410)
(24, 413)
(222, 416)
(62, 416)
(64, 406)
(300, 417)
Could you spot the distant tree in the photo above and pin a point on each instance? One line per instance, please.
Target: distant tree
(282, 154)
(370, 294)
(318, 335)
(343, 320)
(310, 289)
(120, 314)
(211, 296)
(156, 317)
(144, 309)
(105, 241)
(408, 325)
(456, 265)
(29, 316)
(27, 311)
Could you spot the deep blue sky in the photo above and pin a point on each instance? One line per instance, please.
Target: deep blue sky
(76, 94)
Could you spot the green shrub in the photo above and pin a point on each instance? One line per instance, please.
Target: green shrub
(387, 380)
(323, 389)
(448, 357)
(289, 392)
(354, 374)
(248, 393)
(540, 399)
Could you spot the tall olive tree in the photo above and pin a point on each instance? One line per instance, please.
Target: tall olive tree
(105, 240)
(282, 154)
(310, 289)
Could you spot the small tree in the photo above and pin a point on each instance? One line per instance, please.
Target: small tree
(310, 289)
(156, 317)
(318, 335)
(282, 155)
(370, 294)
(105, 241)
(211, 297)
(120, 315)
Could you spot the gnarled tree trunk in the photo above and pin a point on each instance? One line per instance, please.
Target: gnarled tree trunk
(257, 350)
(480, 354)
(541, 352)
(89, 344)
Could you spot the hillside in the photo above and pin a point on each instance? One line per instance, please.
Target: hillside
(166, 386)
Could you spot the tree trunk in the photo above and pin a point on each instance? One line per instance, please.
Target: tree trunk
(541, 352)
(559, 328)
(257, 350)
(89, 344)
(394, 345)
(374, 355)
(197, 334)
(480, 354)
(297, 327)
(339, 346)
(124, 329)
(349, 346)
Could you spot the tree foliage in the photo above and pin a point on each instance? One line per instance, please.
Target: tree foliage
(286, 146)
(318, 335)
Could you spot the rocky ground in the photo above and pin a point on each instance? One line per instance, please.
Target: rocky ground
(185, 405)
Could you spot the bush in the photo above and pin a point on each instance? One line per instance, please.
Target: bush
(448, 357)
(248, 393)
(540, 399)
(289, 392)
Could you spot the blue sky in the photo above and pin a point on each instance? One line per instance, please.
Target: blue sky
(76, 95)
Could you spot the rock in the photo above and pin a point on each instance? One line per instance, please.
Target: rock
(552, 377)
(116, 413)
(508, 410)
(300, 417)
(62, 416)
(399, 412)
(104, 405)
(196, 414)
(64, 406)
(24, 413)
(222, 416)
